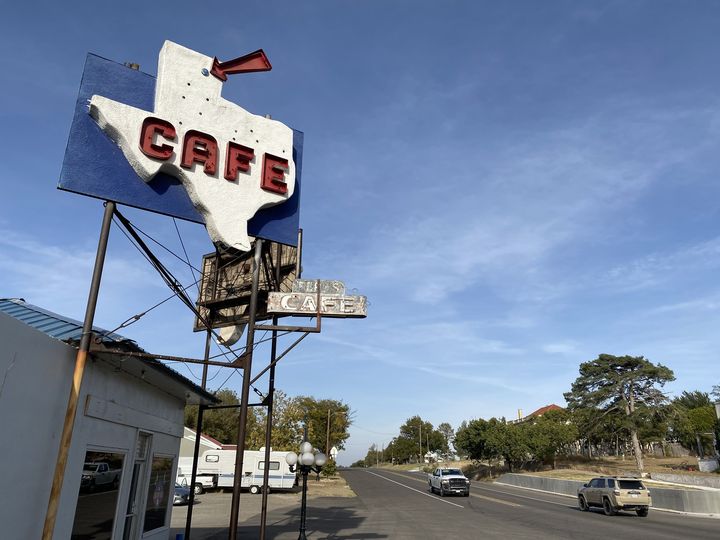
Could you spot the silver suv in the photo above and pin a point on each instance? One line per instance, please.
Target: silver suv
(613, 493)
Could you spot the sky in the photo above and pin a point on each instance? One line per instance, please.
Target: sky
(517, 187)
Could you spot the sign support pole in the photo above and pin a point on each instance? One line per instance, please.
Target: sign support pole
(247, 371)
(271, 400)
(198, 435)
(80, 361)
(201, 407)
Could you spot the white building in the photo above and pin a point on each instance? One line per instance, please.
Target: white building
(120, 473)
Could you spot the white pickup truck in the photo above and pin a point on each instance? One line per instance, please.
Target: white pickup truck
(98, 474)
(447, 481)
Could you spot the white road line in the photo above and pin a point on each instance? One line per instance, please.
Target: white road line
(415, 490)
(526, 497)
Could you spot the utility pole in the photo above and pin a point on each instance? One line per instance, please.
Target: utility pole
(420, 460)
(327, 436)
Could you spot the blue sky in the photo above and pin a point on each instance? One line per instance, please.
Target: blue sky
(516, 186)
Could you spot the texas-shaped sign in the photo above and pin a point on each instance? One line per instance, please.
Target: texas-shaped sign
(175, 146)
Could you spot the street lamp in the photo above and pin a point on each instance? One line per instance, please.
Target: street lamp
(307, 461)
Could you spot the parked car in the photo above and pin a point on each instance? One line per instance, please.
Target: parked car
(447, 481)
(97, 474)
(182, 494)
(612, 493)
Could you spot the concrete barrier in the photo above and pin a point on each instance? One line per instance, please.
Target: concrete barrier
(688, 479)
(679, 500)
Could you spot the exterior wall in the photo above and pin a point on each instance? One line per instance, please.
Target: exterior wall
(35, 378)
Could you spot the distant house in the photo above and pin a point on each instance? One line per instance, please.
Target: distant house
(119, 478)
(536, 414)
(187, 444)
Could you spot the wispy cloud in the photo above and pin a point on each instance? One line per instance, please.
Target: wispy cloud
(502, 224)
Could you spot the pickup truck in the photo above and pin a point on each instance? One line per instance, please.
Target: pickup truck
(98, 474)
(447, 481)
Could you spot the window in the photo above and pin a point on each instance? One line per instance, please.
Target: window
(212, 458)
(158, 495)
(274, 465)
(97, 499)
(611, 483)
(631, 484)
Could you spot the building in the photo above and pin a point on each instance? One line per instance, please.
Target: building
(120, 473)
(535, 414)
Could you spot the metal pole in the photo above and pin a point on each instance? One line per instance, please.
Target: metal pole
(80, 361)
(298, 260)
(303, 505)
(270, 408)
(198, 434)
(242, 423)
(327, 436)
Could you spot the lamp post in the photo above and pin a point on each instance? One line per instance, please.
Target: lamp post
(306, 462)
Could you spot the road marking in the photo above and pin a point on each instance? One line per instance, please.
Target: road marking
(500, 501)
(415, 490)
(531, 498)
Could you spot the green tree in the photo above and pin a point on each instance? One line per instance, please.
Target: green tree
(448, 437)
(316, 413)
(551, 435)
(624, 383)
(222, 424)
(692, 400)
(509, 441)
(693, 419)
(471, 439)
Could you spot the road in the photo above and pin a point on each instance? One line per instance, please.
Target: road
(399, 506)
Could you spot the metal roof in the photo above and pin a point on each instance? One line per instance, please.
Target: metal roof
(70, 331)
(52, 324)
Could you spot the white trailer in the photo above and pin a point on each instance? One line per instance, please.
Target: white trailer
(220, 464)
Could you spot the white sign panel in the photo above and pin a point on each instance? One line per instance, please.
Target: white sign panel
(331, 305)
(231, 163)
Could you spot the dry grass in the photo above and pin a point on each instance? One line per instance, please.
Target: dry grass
(334, 486)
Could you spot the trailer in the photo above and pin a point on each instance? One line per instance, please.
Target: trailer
(219, 465)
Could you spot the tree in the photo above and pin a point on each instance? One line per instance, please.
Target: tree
(692, 400)
(315, 413)
(625, 383)
(716, 392)
(693, 418)
(471, 439)
(448, 435)
(508, 441)
(551, 435)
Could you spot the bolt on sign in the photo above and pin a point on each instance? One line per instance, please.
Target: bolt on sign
(173, 145)
(305, 302)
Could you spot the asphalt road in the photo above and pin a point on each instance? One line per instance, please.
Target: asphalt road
(399, 505)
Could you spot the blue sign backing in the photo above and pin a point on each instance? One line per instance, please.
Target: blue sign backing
(95, 166)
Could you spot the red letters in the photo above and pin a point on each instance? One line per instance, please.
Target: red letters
(238, 159)
(201, 148)
(273, 177)
(150, 127)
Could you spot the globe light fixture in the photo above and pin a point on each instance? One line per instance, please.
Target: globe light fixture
(307, 461)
